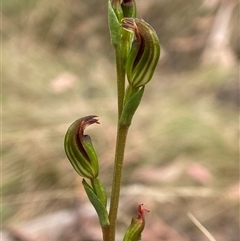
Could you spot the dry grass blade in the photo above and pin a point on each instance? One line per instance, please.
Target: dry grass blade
(201, 227)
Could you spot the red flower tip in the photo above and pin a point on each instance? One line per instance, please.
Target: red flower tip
(141, 211)
(87, 121)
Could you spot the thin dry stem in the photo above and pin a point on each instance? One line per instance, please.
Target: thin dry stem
(201, 227)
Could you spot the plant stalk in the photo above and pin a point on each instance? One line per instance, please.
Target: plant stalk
(117, 175)
(120, 147)
(120, 79)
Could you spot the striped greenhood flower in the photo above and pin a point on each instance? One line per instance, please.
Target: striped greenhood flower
(79, 148)
(144, 52)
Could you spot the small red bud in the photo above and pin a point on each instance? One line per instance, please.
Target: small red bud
(136, 227)
(141, 211)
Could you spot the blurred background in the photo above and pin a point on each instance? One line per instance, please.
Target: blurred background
(182, 150)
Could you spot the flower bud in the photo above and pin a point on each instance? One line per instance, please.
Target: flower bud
(129, 8)
(79, 148)
(115, 15)
(136, 227)
(116, 6)
(144, 53)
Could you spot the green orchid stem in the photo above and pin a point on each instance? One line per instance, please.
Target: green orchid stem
(117, 175)
(120, 147)
(120, 79)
